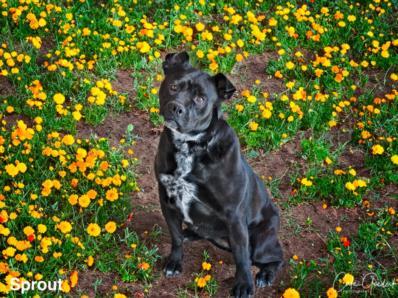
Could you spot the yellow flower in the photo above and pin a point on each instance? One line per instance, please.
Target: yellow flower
(350, 186)
(59, 98)
(291, 293)
(306, 182)
(84, 201)
(118, 295)
(331, 293)
(266, 114)
(289, 65)
(93, 230)
(112, 194)
(360, 183)
(348, 279)
(110, 227)
(68, 140)
(351, 18)
(76, 115)
(385, 54)
(338, 229)
(90, 261)
(251, 99)
(352, 172)
(239, 107)
(41, 228)
(65, 287)
(239, 57)
(394, 159)
(272, 22)
(377, 149)
(73, 199)
(200, 26)
(253, 125)
(332, 123)
(206, 266)
(64, 226)
(143, 46)
(201, 282)
(28, 230)
(200, 54)
(11, 170)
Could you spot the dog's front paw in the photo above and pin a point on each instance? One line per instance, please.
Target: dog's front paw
(172, 268)
(243, 289)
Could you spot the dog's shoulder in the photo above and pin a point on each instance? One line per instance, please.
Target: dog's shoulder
(223, 140)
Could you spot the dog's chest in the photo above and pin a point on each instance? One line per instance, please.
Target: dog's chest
(184, 192)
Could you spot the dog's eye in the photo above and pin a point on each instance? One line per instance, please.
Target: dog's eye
(199, 100)
(173, 87)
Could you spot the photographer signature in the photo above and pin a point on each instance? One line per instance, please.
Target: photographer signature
(368, 282)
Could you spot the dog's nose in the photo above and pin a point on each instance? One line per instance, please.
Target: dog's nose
(175, 109)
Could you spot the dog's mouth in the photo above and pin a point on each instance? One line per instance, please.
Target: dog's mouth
(171, 124)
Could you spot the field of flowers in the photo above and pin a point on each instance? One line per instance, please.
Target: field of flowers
(66, 201)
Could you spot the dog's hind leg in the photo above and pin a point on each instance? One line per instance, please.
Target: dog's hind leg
(190, 235)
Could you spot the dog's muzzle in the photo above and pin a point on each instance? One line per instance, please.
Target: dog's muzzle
(174, 111)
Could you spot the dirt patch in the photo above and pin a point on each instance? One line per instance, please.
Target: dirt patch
(124, 83)
(377, 83)
(245, 73)
(278, 164)
(105, 282)
(305, 228)
(12, 119)
(46, 47)
(6, 88)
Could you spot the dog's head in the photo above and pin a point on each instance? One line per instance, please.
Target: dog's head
(188, 96)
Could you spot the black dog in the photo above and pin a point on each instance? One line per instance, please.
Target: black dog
(205, 182)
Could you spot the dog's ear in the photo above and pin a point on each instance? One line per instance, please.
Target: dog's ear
(224, 87)
(171, 60)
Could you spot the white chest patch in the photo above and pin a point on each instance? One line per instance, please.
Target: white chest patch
(177, 187)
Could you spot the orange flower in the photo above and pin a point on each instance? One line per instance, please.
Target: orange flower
(144, 266)
(74, 278)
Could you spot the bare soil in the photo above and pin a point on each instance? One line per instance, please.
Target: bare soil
(6, 88)
(244, 74)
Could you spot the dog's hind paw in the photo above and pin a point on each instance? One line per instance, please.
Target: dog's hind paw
(172, 268)
(264, 279)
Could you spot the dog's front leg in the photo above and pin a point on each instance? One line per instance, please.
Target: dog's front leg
(239, 243)
(173, 264)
